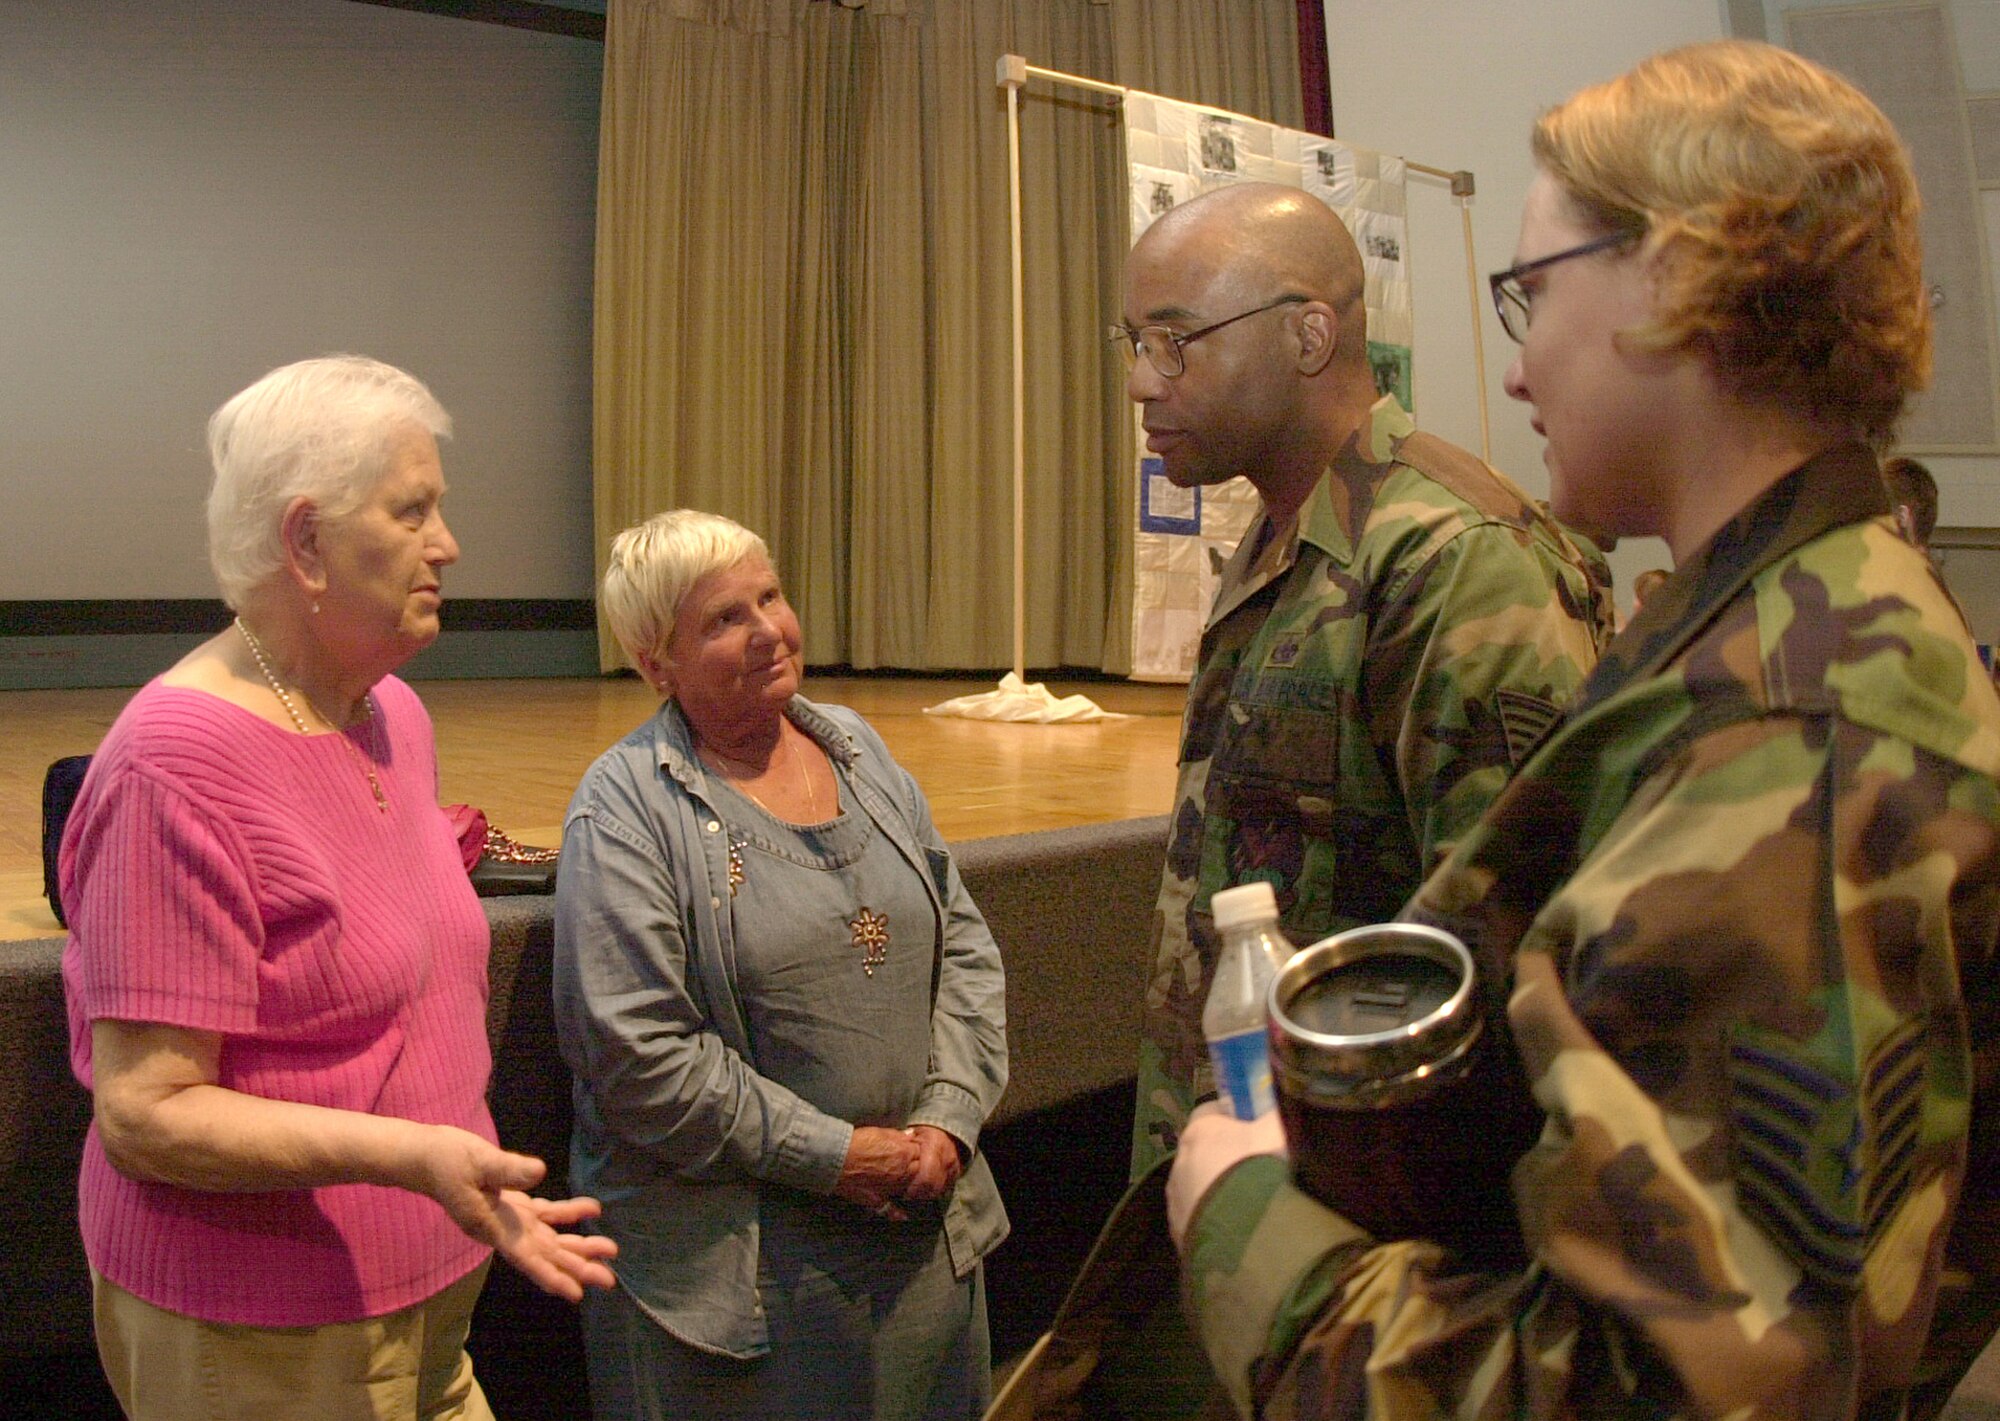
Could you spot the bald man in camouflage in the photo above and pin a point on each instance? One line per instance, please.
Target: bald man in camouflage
(1396, 629)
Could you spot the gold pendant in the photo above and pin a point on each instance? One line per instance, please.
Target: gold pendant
(870, 932)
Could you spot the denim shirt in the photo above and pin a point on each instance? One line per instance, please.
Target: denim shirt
(675, 1128)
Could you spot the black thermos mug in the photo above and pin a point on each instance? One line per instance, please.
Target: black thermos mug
(1403, 1109)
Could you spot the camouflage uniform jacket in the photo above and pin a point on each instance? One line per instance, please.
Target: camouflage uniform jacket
(1598, 567)
(1358, 703)
(1741, 905)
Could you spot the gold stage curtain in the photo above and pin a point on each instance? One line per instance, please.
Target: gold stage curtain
(802, 299)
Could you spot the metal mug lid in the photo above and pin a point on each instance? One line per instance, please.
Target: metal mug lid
(1374, 1005)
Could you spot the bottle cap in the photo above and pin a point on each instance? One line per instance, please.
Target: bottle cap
(1245, 903)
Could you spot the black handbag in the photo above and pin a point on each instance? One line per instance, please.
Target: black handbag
(495, 862)
(59, 789)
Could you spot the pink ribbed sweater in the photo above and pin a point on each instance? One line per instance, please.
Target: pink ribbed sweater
(227, 875)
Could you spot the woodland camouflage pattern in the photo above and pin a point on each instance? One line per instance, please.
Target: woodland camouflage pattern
(1358, 705)
(1598, 568)
(1745, 898)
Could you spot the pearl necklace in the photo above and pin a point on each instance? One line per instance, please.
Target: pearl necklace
(292, 710)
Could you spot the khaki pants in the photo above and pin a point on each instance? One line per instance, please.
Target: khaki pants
(405, 1366)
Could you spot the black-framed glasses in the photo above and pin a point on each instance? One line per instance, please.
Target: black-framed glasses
(1162, 346)
(1511, 301)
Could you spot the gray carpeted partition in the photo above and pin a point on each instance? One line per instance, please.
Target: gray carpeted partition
(1071, 909)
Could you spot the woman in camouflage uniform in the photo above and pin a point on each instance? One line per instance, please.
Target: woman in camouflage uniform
(1739, 907)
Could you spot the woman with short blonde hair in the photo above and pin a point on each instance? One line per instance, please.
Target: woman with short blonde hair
(787, 1023)
(653, 564)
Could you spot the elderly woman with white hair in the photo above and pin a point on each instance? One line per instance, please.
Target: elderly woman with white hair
(277, 969)
(786, 1020)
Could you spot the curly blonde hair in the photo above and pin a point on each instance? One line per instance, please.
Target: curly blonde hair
(1780, 207)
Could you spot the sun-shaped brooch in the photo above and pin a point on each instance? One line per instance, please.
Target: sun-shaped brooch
(870, 931)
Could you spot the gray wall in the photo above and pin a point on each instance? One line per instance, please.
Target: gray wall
(194, 191)
(1456, 84)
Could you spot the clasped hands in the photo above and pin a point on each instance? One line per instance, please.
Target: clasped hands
(886, 1166)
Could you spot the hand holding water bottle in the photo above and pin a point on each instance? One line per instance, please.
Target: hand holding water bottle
(1233, 1019)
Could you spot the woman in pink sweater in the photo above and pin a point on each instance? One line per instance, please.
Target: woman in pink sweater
(277, 969)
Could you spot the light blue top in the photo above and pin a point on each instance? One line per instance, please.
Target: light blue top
(676, 1127)
(834, 932)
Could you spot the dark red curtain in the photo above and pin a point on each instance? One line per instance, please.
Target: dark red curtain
(1315, 91)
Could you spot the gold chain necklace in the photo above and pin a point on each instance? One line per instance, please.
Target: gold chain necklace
(798, 763)
(292, 710)
(868, 930)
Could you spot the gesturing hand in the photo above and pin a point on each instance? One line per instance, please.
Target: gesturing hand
(483, 1188)
(880, 1165)
(554, 1261)
(938, 1163)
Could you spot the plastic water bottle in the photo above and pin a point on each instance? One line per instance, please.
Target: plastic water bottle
(1233, 1018)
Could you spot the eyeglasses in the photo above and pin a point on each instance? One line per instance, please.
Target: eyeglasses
(1162, 347)
(1511, 300)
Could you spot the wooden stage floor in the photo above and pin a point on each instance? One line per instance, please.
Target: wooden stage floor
(517, 748)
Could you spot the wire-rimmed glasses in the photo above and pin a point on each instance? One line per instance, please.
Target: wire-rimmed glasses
(1162, 346)
(1511, 301)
